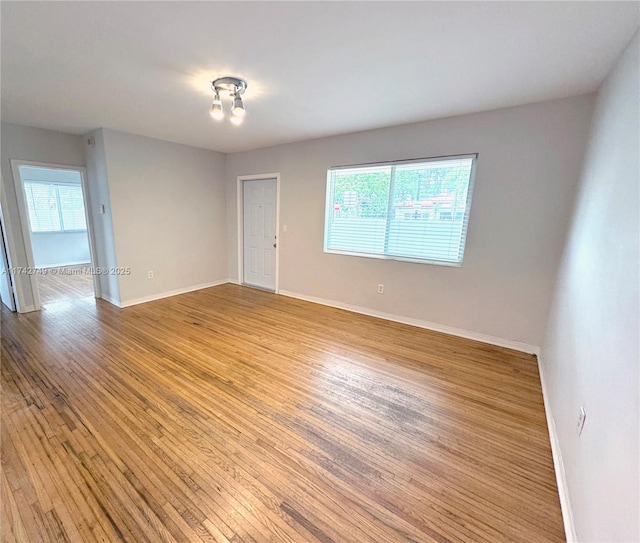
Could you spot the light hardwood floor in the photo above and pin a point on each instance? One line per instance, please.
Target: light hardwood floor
(231, 414)
(66, 283)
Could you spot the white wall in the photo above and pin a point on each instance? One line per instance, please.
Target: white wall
(528, 167)
(164, 208)
(98, 183)
(60, 248)
(591, 352)
(37, 145)
(168, 210)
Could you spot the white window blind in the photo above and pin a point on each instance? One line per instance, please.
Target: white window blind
(412, 210)
(71, 207)
(55, 207)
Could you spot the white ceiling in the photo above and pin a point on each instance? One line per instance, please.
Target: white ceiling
(313, 68)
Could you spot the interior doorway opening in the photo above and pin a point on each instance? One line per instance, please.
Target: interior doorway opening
(55, 219)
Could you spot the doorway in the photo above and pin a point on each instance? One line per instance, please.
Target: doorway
(258, 248)
(56, 228)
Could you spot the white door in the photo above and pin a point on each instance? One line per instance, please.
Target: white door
(259, 233)
(6, 292)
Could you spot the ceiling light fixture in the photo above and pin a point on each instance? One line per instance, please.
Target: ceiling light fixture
(234, 87)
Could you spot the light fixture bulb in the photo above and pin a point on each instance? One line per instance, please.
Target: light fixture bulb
(216, 108)
(238, 107)
(234, 88)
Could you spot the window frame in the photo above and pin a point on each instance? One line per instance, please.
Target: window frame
(56, 184)
(329, 208)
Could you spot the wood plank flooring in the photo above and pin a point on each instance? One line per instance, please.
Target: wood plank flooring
(66, 283)
(234, 415)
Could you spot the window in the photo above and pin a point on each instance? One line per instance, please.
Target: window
(413, 210)
(55, 207)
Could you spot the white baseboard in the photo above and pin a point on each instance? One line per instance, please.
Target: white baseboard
(561, 477)
(112, 301)
(483, 338)
(170, 293)
(27, 309)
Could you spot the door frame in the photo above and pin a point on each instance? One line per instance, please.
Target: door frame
(5, 227)
(240, 227)
(24, 220)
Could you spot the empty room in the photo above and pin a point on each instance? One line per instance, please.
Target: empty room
(320, 272)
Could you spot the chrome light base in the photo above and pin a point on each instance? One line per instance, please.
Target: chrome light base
(232, 85)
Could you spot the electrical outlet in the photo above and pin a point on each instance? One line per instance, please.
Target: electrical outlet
(284, 227)
(581, 418)
(380, 288)
(150, 274)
